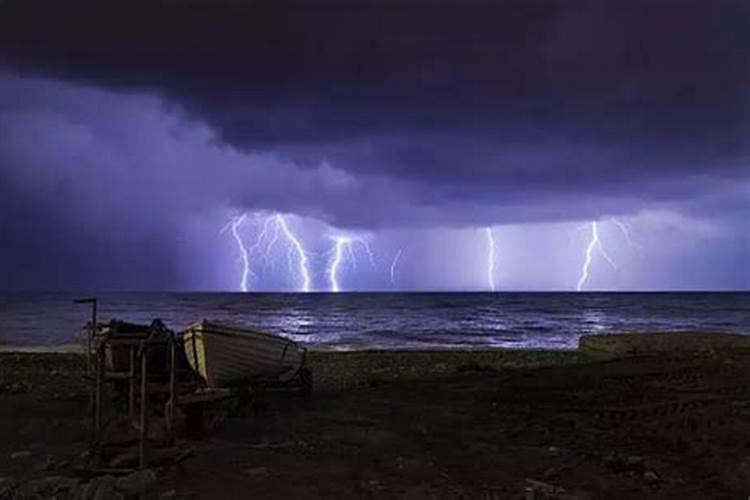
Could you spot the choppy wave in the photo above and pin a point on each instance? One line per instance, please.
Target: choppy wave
(388, 320)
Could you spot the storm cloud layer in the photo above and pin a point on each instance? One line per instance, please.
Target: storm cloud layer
(121, 123)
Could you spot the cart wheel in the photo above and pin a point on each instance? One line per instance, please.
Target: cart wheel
(306, 381)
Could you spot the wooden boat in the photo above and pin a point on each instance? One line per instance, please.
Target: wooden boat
(225, 355)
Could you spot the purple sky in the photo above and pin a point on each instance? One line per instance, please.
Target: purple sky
(131, 134)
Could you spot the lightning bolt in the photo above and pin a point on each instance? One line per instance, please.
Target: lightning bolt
(490, 258)
(273, 228)
(258, 247)
(234, 225)
(394, 263)
(594, 244)
(626, 233)
(333, 268)
(299, 250)
(344, 245)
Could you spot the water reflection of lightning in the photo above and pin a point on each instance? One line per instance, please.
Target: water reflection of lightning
(394, 263)
(344, 246)
(594, 244)
(490, 258)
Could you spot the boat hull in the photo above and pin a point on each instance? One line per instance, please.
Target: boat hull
(224, 356)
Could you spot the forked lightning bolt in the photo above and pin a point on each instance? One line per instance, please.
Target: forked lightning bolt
(343, 248)
(594, 244)
(298, 249)
(264, 248)
(626, 233)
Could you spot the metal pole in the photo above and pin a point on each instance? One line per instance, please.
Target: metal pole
(95, 383)
(144, 402)
(98, 400)
(89, 337)
(131, 382)
(99, 387)
(91, 329)
(93, 321)
(172, 384)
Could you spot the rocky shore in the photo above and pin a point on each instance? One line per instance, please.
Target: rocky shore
(471, 424)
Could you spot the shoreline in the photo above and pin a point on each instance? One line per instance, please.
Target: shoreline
(80, 347)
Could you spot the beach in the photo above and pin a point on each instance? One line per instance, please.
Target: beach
(440, 424)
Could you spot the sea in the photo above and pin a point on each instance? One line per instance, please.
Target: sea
(358, 321)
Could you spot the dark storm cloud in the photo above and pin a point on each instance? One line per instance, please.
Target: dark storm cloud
(95, 182)
(536, 93)
(47, 245)
(123, 123)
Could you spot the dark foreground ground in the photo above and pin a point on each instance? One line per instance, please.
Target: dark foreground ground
(485, 425)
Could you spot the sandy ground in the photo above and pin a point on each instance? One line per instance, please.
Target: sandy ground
(483, 424)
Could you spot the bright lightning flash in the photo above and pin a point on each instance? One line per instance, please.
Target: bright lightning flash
(394, 263)
(298, 249)
(490, 258)
(344, 248)
(265, 247)
(333, 268)
(235, 224)
(274, 227)
(594, 244)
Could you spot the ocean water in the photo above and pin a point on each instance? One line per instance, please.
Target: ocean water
(387, 320)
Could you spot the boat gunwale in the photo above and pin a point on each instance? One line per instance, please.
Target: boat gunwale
(231, 331)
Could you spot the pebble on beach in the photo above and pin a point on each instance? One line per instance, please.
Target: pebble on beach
(20, 455)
